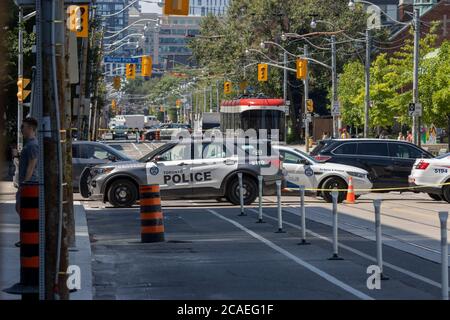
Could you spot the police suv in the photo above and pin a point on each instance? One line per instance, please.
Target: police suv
(434, 175)
(189, 169)
(304, 170)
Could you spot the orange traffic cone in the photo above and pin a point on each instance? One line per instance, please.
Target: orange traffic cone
(350, 192)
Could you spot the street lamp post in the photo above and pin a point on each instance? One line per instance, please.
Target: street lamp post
(367, 85)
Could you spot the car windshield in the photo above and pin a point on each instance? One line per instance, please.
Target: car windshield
(151, 154)
(119, 153)
(305, 155)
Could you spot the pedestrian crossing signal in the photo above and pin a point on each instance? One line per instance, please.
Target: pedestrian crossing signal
(227, 87)
(302, 68)
(262, 72)
(78, 20)
(130, 71)
(176, 7)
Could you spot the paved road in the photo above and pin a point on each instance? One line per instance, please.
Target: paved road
(212, 253)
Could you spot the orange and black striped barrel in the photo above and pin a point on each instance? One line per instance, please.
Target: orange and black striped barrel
(152, 220)
(29, 234)
(158, 135)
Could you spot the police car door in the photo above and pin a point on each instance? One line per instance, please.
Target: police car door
(299, 170)
(172, 170)
(210, 165)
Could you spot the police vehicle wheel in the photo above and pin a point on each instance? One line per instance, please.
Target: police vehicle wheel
(446, 193)
(122, 193)
(435, 197)
(334, 183)
(249, 187)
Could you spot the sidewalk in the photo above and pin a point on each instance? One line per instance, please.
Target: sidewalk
(10, 255)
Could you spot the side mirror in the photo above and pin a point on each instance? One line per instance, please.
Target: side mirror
(156, 159)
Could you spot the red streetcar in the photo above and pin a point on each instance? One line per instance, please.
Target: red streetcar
(254, 113)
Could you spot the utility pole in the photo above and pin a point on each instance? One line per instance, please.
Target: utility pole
(62, 259)
(285, 75)
(217, 94)
(51, 147)
(416, 119)
(82, 92)
(210, 99)
(367, 89)
(306, 85)
(334, 85)
(20, 75)
(204, 100)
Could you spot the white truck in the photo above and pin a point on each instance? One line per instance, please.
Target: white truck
(134, 121)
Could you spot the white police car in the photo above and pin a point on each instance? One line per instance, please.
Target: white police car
(433, 174)
(304, 170)
(187, 169)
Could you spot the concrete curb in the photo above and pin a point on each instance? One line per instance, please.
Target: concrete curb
(81, 255)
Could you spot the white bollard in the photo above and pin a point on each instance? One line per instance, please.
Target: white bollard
(303, 215)
(280, 213)
(260, 213)
(335, 256)
(378, 236)
(241, 194)
(443, 216)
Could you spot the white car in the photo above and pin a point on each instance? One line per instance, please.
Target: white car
(302, 169)
(432, 173)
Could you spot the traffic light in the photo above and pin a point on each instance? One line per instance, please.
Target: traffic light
(262, 72)
(302, 68)
(74, 18)
(114, 106)
(116, 84)
(243, 86)
(146, 69)
(309, 105)
(178, 103)
(176, 7)
(227, 87)
(78, 20)
(83, 32)
(21, 85)
(130, 71)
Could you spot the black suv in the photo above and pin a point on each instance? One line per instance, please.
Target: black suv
(388, 162)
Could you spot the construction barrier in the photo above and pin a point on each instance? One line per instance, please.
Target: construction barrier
(29, 243)
(158, 135)
(152, 220)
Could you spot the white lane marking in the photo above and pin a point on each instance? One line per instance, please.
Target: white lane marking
(299, 261)
(148, 147)
(359, 253)
(140, 152)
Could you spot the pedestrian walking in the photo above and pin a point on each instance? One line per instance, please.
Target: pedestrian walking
(28, 158)
(401, 137)
(409, 136)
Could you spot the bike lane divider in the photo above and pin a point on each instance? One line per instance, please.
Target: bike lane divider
(328, 277)
(366, 245)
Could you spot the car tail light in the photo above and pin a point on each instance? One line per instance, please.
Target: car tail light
(277, 163)
(322, 158)
(422, 165)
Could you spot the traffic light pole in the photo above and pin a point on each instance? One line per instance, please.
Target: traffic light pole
(416, 119)
(285, 75)
(306, 85)
(334, 85)
(367, 88)
(20, 75)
